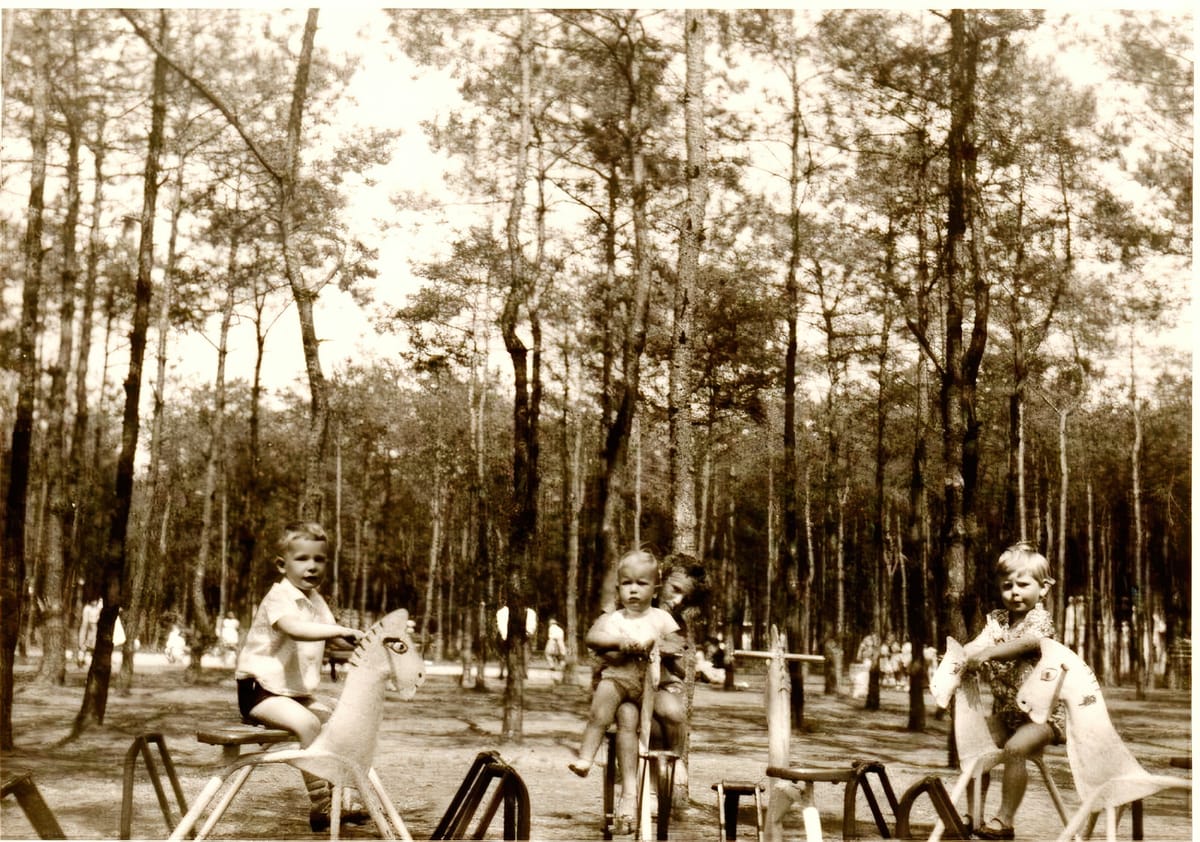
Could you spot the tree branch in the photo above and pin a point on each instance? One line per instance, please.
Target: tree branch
(203, 90)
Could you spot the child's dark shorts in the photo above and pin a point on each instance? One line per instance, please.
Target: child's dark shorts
(250, 693)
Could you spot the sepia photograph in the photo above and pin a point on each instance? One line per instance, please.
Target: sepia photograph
(596, 423)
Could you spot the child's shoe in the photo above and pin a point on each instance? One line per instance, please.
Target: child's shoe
(319, 820)
(993, 828)
(580, 767)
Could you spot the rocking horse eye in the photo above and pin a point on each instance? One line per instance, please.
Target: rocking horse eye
(398, 646)
(1049, 674)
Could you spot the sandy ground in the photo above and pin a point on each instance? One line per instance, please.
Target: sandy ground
(427, 744)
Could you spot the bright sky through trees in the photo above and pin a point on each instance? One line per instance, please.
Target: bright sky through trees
(389, 91)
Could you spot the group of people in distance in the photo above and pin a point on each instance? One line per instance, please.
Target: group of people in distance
(279, 664)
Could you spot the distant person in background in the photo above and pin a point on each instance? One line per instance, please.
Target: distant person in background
(231, 631)
(176, 646)
(531, 624)
(556, 645)
(89, 620)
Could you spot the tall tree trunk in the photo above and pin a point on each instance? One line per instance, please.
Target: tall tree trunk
(12, 572)
(792, 567)
(144, 558)
(680, 416)
(95, 694)
(573, 506)
(78, 474)
(436, 518)
(1141, 602)
(311, 503)
(58, 532)
(521, 297)
(959, 362)
(616, 437)
(204, 628)
(1090, 651)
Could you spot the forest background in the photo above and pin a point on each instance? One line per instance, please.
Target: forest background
(838, 303)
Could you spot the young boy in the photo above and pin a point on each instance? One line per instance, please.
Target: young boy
(279, 665)
(622, 639)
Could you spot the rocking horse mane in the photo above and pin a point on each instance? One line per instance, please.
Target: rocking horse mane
(364, 643)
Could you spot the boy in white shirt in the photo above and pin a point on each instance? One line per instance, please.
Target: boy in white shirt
(279, 665)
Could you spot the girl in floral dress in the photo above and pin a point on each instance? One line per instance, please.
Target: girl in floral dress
(1005, 652)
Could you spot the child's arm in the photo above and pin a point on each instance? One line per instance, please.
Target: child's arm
(606, 636)
(672, 643)
(300, 629)
(1005, 651)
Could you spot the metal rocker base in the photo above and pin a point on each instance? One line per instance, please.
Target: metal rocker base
(22, 787)
(853, 778)
(931, 785)
(510, 790)
(663, 765)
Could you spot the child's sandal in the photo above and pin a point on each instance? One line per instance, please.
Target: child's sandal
(993, 828)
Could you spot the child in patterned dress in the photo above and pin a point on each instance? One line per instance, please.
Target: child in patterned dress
(1005, 652)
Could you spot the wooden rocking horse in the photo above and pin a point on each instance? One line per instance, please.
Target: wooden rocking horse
(1107, 776)
(344, 750)
(977, 749)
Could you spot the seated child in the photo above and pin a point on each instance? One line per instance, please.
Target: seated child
(622, 639)
(1005, 652)
(279, 665)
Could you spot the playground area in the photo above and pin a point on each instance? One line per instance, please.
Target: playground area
(427, 744)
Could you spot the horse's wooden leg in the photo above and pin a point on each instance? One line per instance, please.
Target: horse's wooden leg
(236, 780)
(1081, 815)
(335, 810)
(375, 785)
(183, 829)
(1051, 788)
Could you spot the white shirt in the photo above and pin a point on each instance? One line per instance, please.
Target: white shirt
(502, 622)
(282, 664)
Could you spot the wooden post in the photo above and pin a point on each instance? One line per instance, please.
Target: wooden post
(782, 794)
(653, 671)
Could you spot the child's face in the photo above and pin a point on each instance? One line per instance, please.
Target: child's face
(303, 564)
(676, 589)
(635, 586)
(1020, 591)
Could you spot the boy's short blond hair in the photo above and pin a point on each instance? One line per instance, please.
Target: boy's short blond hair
(638, 558)
(302, 530)
(1024, 557)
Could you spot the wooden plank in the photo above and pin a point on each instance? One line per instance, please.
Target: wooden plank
(788, 656)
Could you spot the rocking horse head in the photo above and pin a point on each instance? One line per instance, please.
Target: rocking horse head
(387, 651)
(1101, 763)
(1047, 683)
(948, 674)
(972, 735)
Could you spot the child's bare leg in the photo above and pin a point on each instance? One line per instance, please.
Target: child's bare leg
(628, 719)
(1027, 739)
(671, 712)
(290, 715)
(604, 706)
